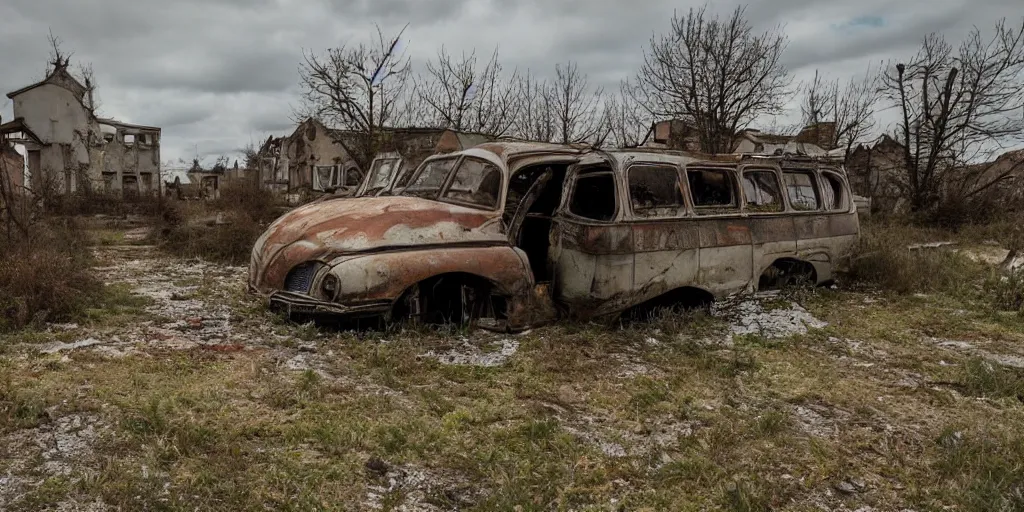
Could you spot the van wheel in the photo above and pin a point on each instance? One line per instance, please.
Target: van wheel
(444, 300)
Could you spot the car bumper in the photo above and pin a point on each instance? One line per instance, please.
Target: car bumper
(292, 303)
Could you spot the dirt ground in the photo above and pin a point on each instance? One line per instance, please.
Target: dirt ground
(181, 392)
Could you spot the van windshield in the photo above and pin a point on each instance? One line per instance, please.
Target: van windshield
(381, 174)
(430, 178)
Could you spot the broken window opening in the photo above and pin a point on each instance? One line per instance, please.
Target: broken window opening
(430, 178)
(130, 187)
(594, 197)
(129, 139)
(711, 190)
(476, 182)
(381, 174)
(803, 194)
(325, 176)
(656, 191)
(108, 181)
(761, 189)
(832, 192)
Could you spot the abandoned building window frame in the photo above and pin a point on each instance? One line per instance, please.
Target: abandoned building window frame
(713, 208)
(586, 174)
(126, 140)
(659, 207)
(797, 193)
(318, 176)
(834, 198)
(755, 202)
(476, 177)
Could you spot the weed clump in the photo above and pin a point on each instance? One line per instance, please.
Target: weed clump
(45, 275)
(885, 259)
(1007, 291)
(223, 230)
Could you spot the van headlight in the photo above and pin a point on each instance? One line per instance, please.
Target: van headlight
(329, 286)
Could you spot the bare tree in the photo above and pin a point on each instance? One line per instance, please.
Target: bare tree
(576, 108)
(60, 60)
(849, 108)
(627, 120)
(458, 95)
(715, 73)
(535, 119)
(360, 89)
(958, 107)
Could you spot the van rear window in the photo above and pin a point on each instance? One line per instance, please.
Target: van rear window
(761, 189)
(803, 194)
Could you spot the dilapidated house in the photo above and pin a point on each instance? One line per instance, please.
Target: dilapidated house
(313, 158)
(873, 171)
(71, 150)
(755, 142)
(12, 168)
(673, 134)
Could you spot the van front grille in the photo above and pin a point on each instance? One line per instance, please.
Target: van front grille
(300, 278)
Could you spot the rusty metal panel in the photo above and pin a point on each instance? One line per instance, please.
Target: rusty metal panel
(772, 229)
(844, 224)
(725, 270)
(598, 239)
(810, 226)
(724, 232)
(386, 276)
(675, 235)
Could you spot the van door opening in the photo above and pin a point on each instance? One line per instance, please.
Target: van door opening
(538, 190)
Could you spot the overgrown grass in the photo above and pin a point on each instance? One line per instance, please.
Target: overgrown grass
(223, 230)
(990, 379)
(885, 259)
(983, 467)
(45, 276)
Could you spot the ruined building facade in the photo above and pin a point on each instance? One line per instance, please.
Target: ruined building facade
(70, 150)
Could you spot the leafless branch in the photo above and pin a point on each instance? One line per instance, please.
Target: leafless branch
(359, 89)
(958, 107)
(715, 73)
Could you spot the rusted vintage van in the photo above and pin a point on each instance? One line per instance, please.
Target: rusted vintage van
(514, 232)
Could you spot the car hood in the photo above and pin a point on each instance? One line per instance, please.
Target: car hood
(327, 229)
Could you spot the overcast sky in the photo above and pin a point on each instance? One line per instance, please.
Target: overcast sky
(215, 74)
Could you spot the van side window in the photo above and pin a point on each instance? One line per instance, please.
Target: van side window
(803, 194)
(655, 191)
(594, 197)
(761, 189)
(832, 192)
(711, 188)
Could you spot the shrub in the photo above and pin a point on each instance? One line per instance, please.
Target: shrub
(45, 276)
(225, 243)
(884, 259)
(223, 230)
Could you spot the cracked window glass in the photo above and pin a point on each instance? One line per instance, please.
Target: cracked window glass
(656, 191)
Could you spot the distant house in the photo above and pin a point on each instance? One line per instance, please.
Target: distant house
(673, 134)
(71, 150)
(874, 171)
(822, 135)
(756, 142)
(313, 158)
